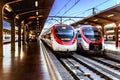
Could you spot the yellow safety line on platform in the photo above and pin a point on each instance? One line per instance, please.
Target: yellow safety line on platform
(53, 72)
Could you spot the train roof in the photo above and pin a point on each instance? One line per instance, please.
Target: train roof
(62, 25)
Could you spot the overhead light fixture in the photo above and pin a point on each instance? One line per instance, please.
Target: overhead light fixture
(30, 22)
(32, 17)
(37, 22)
(95, 20)
(17, 17)
(37, 13)
(36, 3)
(37, 18)
(8, 8)
(86, 23)
(22, 22)
(111, 15)
(5, 17)
(110, 31)
(40, 16)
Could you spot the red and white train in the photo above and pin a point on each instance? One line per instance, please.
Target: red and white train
(61, 38)
(90, 40)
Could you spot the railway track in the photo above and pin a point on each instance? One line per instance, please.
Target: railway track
(108, 62)
(91, 68)
(86, 68)
(78, 71)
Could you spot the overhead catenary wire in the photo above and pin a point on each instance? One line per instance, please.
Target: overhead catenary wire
(79, 12)
(71, 7)
(63, 7)
(102, 3)
(68, 9)
(76, 2)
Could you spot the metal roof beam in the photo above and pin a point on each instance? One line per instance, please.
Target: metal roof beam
(94, 22)
(38, 9)
(105, 18)
(116, 11)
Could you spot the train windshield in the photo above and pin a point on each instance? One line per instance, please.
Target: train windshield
(64, 33)
(92, 33)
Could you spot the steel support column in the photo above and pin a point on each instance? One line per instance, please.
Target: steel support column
(19, 35)
(103, 30)
(24, 33)
(1, 28)
(116, 34)
(27, 34)
(22, 25)
(12, 33)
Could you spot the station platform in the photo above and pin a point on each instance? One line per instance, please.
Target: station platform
(110, 45)
(112, 51)
(26, 63)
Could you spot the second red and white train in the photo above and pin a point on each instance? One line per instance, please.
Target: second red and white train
(90, 40)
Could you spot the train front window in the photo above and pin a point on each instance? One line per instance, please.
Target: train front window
(64, 33)
(92, 33)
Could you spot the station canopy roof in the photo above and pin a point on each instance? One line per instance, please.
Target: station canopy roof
(33, 12)
(110, 15)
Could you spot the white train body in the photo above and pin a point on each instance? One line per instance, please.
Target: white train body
(90, 40)
(61, 38)
(60, 47)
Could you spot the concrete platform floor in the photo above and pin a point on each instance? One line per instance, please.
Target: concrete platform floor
(26, 63)
(110, 45)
